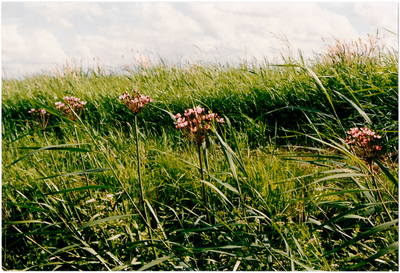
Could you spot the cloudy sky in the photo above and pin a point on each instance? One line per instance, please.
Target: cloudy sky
(37, 36)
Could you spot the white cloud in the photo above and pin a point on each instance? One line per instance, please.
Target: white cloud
(162, 30)
(256, 26)
(39, 48)
(13, 44)
(199, 31)
(167, 23)
(46, 46)
(379, 15)
(59, 12)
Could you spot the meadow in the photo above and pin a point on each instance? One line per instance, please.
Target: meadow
(276, 186)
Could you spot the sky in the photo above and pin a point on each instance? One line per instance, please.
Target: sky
(40, 36)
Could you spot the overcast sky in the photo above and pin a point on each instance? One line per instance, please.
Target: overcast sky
(38, 36)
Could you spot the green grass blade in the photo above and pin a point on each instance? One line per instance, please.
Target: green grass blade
(231, 158)
(226, 185)
(27, 222)
(54, 148)
(74, 246)
(104, 220)
(50, 147)
(364, 235)
(358, 108)
(217, 191)
(388, 174)
(391, 248)
(155, 217)
(79, 189)
(292, 259)
(24, 206)
(98, 170)
(349, 212)
(154, 263)
(30, 133)
(237, 158)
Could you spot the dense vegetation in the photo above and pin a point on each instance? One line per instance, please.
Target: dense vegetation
(285, 190)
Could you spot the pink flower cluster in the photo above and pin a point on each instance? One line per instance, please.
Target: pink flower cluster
(195, 123)
(137, 102)
(41, 111)
(72, 103)
(364, 141)
(41, 117)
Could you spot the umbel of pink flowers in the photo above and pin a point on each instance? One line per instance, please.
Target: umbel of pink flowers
(41, 117)
(71, 103)
(195, 123)
(364, 141)
(136, 102)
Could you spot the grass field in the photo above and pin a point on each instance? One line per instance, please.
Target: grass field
(278, 187)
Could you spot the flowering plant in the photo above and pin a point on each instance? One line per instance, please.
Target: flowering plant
(41, 117)
(135, 103)
(364, 142)
(72, 103)
(195, 123)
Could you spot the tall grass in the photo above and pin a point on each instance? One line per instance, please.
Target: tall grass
(285, 191)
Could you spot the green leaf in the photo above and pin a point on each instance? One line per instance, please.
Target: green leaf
(108, 219)
(360, 111)
(226, 185)
(79, 189)
(391, 248)
(232, 158)
(237, 158)
(50, 147)
(77, 173)
(24, 206)
(74, 246)
(363, 235)
(302, 109)
(31, 132)
(388, 174)
(349, 212)
(342, 192)
(154, 262)
(27, 222)
(218, 191)
(156, 218)
(56, 148)
(292, 259)
(341, 175)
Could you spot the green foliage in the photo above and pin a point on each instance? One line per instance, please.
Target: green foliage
(285, 191)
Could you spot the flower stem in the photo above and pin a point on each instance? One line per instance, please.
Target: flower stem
(142, 205)
(204, 187)
(83, 162)
(54, 162)
(138, 164)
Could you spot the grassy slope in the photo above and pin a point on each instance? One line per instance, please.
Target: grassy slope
(286, 193)
(239, 93)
